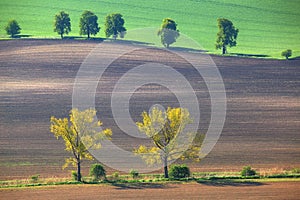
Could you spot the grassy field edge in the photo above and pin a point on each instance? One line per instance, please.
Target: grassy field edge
(25, 183)
(136, 42)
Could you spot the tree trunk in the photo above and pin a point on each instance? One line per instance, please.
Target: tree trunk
(166, 171)
(62, 36)
(78, 170)
(88, 32)
(166, 167)
(224, 50)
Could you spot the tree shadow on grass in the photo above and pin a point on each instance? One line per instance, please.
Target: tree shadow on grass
(228, 182)
(130, 42)
(295, 58)
(83, 38)
(73, 37)
(139, 186)
(22, 36)
(152, 45)
(185, 49)
(249, 55)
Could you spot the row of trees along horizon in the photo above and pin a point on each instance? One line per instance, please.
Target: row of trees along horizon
(114, 26)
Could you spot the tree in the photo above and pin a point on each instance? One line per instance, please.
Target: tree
(114, 25)
(62, 23)
(163, 128)
(168, 32)
(80, 133)
(227, 35)
(88, 24)
(13, 28)
(287, 53)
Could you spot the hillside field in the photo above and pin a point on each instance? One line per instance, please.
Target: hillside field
(37, 76)
(266, 27)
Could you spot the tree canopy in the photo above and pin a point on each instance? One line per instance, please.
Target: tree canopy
(168, 32)
(114, 25)
(163, 128)
(81, 132)
(62, 23)
(13, 28)
(227, 35)
(88, 24)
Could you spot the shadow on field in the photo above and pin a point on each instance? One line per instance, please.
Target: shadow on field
(22, 36)
(129, 186)
(130, 42)
(187, 49)
(134, 42)
(83, 38)
(295, 58)
(249, 55)
(227, 182)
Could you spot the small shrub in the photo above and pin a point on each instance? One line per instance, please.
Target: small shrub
(296, 171)
(248, 171)
(35, 177)
(179, 171)
(74, 175)
(97, 171)
(287, 53)
(134, 173)
(115, 175)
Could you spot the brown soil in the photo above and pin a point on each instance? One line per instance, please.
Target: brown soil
(36, 79)
(276, 190)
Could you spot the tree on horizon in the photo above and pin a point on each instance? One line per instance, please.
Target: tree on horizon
(227, 35)
(88, 24)
(114, 26)
(168, 32)
(13, 28)
(62, 24)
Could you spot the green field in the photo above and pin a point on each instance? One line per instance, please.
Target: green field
(266, 27)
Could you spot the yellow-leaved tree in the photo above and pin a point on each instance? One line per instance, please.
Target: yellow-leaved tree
(81, 132)
(163, 128)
